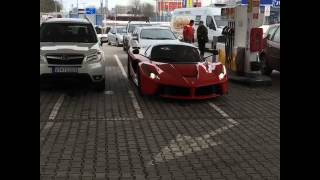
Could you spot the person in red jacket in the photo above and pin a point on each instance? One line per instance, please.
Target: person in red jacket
(188, 32)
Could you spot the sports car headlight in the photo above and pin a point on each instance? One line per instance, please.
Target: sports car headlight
(153, 76)
(223, 73)
(94, 58)
(150, 71)
(41, 59)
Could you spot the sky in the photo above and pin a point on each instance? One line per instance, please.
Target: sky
(112, 3)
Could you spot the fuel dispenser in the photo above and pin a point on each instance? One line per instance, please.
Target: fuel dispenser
(228, 32)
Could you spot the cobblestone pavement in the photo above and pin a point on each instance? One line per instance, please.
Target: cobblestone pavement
(117, 134)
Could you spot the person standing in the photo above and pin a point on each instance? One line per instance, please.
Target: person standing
(188, 32)
(202, 37)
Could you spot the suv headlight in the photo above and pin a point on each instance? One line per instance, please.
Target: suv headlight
(223, 73)
(94, 58)
(41, 59)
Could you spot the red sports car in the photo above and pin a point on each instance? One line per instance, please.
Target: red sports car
(176, 70)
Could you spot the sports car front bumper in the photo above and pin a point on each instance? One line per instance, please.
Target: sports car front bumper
(179, 91)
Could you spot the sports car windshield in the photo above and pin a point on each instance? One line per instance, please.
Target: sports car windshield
(175, 54)
(158, 34)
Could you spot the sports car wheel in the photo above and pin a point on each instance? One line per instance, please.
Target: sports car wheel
(264, 67)
(139, 83)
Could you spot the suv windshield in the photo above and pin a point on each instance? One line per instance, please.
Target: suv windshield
(221, 21)
(160, 34)
(67, 32)
(175, 54)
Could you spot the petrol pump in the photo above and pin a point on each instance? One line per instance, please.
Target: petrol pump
(243, 39)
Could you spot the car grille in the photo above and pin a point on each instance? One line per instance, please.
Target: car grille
(175, 91)
(207, 90)
(66, 59)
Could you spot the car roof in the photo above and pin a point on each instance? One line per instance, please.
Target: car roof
(67, 20)
(152, 27)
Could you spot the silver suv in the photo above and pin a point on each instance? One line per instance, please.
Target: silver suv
(70, 48)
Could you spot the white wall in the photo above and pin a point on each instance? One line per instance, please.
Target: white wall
(240, 26)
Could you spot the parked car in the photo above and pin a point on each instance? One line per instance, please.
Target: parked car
(270, 55)
(115, 35)
(129, 30)
(176, 70)
(101, 32)
(70, 48)
(148, 35)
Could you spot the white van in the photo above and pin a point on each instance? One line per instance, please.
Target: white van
(211, 17)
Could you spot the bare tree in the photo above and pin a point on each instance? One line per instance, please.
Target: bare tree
(148, 10)
(50, 6)
(136, 5)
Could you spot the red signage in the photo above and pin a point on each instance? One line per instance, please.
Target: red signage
(169, 6)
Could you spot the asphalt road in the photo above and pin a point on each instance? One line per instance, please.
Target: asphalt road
(117, 134)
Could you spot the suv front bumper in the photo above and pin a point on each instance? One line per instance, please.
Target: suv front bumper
(94, 72)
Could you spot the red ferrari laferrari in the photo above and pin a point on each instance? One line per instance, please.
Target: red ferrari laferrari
(176, 70)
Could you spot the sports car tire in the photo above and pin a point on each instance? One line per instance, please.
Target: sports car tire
(264, 67)
(139, 83)
(129, 69)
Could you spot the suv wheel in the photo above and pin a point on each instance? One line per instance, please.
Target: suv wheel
(264, 67)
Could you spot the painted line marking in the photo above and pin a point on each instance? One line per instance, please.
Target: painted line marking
(184, 145)
(136, 105)
(120, 65)
(56, 108)
(224, 114)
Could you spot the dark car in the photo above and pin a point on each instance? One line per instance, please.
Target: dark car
(270, 55)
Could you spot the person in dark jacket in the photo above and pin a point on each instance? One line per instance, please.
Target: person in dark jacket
(202, 36)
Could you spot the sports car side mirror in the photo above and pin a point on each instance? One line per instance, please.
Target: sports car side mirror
(215, 52)
(135, 51)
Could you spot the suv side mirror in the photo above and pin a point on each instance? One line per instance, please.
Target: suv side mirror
(135, 51)
(135, 37)
(104, 39)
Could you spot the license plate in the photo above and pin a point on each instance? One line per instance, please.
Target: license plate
(64, 69)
